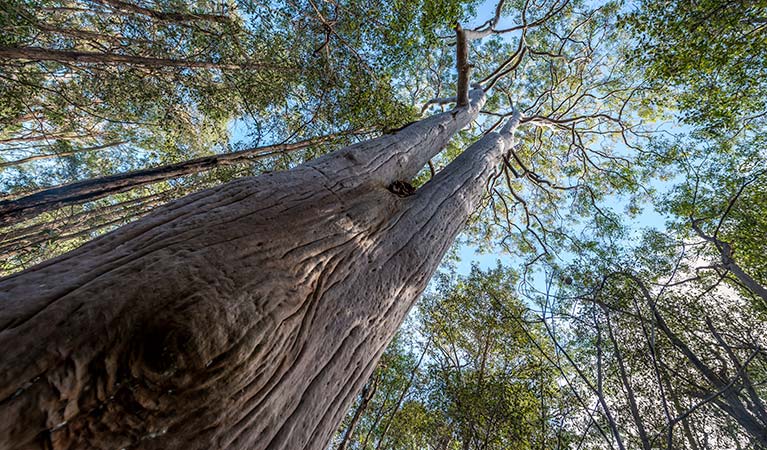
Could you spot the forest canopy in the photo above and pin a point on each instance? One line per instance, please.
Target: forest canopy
(628, 302)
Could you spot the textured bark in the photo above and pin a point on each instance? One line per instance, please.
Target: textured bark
(462, 66)
(247, 316)
(36, 203)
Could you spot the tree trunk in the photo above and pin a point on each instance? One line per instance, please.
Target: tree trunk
(21, 161)
(247, 316)
(55, 226)
(625, 380)
(73, 56)
(723, 389)
(367, 394)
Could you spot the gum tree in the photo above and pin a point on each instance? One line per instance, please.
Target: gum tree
(250, 315)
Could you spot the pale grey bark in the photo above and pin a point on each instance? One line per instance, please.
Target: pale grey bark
(247, 316)
(626, 381)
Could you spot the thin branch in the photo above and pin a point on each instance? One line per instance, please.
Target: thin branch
(70, 56)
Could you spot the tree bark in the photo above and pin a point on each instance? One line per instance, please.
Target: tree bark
(247, 316)
(36, 203)
(462, 66)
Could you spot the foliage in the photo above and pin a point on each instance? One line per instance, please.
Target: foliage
(482, 379)
(711, 54)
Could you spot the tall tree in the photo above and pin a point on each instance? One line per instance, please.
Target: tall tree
(71, 121)
(265, 362)
(249, 315)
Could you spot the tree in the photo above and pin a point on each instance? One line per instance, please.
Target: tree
(249, 315)
(309, 344)
(559, 62)
(67, 122)
(476, 376)
(675, 323)
(688, 351)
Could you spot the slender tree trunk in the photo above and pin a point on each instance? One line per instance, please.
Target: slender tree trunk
(600, 391)
(73, 56)
(629, 390)
(36, 203)
(679, 410)
(78, 219)
(726, 253)
(402, 396)
(21, 161)
(730, 401)
(462, 66)
(247, 316)
(107, 219)
(367, 394)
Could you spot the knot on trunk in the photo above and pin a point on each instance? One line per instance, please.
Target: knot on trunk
(401, 188)
(163, 350)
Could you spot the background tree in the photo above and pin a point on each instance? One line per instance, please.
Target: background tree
(476, 376)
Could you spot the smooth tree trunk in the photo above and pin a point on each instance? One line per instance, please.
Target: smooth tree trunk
(724, 391)
(107, 219)
(23, 235)
(247, 316)
(28, 159)
(627, 386)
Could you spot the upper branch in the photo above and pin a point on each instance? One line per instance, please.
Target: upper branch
(488, 27)
(462, 65)
(70, 56)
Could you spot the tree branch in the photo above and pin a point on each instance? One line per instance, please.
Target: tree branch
(70, 56)
(463, 66)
